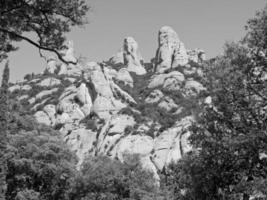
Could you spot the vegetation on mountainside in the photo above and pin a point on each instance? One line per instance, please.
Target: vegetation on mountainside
(229, 160)
(3, 129)
(230, 135)
(37, 164)
(105, 179)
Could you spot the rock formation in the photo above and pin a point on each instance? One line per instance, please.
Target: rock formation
(132, 57)
(51, 65)
(196, 55)
(102, 108)
(171, 52)
(69, 54)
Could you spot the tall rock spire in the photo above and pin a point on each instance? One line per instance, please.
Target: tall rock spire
(171, 52)
(132, 57)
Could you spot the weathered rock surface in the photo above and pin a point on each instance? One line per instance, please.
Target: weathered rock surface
(69, 54)
(113, 108)
(171, 52)
(42, 118)
(48, 82)
(172, 143)
(45, 93)
(171, 81)
(124, 76)
(19, 87)
(193, 87)
(132, 57)
(51, 65)
(196, 55)
(117, 58)
(154, 97)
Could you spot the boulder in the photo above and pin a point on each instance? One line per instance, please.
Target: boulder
(69, 53)
(42, 118)
(168, 104)
(193, 87)
(48, 82)
(50, 110)
(83, 95)
(23, 97)
(19, 87)
(26, 87)
(13, 88)
(154, 97)
(45, 93)
(120, 123)
(170, 81)
(63, 119)
(32, 100)
(51, 65)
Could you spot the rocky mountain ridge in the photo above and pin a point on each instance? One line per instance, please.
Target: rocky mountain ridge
(124, 105)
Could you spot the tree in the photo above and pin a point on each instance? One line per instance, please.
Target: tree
(48, 20)
(3, 129)
(35, 161)
(102, 178)
(230, 135)
(40, 165)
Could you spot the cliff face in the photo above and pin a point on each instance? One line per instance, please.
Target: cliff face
(123, 105)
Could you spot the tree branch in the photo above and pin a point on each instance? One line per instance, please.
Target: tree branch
(38, 45)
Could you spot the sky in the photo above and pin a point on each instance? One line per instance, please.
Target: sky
(205, 24)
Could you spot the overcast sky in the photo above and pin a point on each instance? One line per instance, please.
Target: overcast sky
(205, 24)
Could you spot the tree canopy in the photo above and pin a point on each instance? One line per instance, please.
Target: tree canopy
(231, 134)
(3, 129)
(49, 20)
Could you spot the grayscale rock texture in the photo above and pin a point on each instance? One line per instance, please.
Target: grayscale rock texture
(123, 105)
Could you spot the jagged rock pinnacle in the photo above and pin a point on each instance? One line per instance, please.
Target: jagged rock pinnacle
(171, 51)
(132, 57)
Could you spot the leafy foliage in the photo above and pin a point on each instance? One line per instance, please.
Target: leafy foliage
(105, 179)
(48, 20)
(40, 162)
(3, 129)
(231, 133)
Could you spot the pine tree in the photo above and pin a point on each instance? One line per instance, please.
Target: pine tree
(3, 129)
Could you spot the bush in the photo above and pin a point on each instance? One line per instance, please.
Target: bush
(105, 179)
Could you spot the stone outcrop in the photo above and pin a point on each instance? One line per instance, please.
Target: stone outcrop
(171, 52)
(19, 87)
(117, 58)
(132, 57)
(69, 54)
(51, 65)
(48, 82)
(172, 144)
(171, 81)
(104, 108)
(196, 55)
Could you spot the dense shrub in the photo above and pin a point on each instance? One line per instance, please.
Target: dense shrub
(105, 179)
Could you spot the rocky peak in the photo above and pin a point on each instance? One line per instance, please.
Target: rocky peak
(132, 57)
(171, 52)
(117, 106)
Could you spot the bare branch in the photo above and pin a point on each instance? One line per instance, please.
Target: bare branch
(38, 45)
